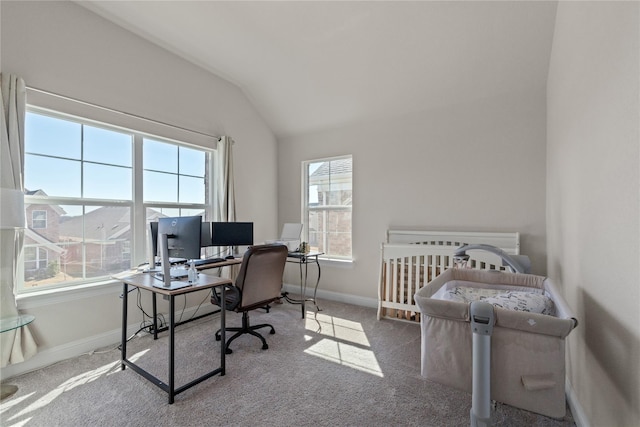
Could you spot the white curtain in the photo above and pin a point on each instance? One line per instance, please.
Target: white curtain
(225, 194)
(16, 345)
(225, 200)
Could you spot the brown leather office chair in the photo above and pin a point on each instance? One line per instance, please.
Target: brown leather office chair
(258, 283)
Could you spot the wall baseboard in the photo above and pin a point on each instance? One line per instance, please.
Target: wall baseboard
(579, 416)
(334, 296)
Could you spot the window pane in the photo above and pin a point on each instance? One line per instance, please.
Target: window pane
(192, 162)
(160, 187)
(78, 247)
(191, 190)
(55, 177)
(107, 182)
(106, 146)
(160, 156)
(338, 233)
(51, 136)
(154, 213)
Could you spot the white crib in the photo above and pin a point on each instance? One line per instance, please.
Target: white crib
(410, 259)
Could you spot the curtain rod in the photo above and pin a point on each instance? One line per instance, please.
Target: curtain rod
(217, 138)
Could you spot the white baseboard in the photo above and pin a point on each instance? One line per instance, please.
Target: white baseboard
(334, 296)
(579, 416)
(59, 353)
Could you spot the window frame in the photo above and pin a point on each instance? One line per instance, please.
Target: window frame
(137, 206)
(33, 219)
(306, 209)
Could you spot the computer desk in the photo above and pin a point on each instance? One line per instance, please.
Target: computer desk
(146, 281)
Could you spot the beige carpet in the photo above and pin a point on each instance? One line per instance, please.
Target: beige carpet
(339, 367)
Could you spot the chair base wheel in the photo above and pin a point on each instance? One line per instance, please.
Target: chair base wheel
(265, 346)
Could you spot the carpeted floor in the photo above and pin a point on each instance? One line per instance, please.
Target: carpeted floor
(338, 367)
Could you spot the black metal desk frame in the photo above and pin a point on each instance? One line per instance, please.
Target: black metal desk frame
(304, 259)
(144, 281)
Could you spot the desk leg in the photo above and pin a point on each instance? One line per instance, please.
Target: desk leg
(155, 315)
(171, 347)
(123, 342)
(223, 336)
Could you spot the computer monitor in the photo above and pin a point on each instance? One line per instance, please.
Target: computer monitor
(231, 233)
(183, 236)
(205, 235)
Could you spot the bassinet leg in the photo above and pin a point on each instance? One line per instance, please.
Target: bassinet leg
(482, 320)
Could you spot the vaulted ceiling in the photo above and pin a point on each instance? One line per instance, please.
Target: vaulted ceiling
(308, 66)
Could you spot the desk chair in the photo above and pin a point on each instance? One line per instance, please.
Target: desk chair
(258, 283)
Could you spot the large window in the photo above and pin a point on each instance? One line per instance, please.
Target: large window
(327, 206)
(91, 188)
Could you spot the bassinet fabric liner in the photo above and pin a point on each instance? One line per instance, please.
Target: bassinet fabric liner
(532, 301)
(527, 348)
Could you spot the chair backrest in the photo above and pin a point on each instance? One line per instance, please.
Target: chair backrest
(260, 276)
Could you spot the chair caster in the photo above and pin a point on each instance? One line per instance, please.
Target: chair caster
(218, 337)
(273, 331)
(265, 346)
(228, 351)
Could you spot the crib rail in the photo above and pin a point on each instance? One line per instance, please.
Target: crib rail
(410, 264)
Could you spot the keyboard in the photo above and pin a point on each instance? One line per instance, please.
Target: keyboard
(208, 261)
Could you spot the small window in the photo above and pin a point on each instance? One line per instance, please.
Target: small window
(327, 206)
(39, 219)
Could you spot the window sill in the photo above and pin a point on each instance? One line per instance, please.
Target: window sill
(53, 296)
(335, 262)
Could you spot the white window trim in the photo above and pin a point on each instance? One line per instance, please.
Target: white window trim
(327, 258)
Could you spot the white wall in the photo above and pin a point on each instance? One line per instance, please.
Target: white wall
(593, 201)
(63, 48)
(475, 167)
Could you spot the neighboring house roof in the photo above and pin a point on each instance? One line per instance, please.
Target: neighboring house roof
(103, 223)
(338, 166)
(57, 209)
(43, 241)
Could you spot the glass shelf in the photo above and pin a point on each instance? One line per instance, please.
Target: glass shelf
(15, 322)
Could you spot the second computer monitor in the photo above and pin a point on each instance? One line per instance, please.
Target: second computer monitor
(231, 233)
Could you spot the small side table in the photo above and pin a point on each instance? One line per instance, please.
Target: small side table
(304, 259)
(9, 324)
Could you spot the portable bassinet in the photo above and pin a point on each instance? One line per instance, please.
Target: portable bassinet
(527, 348)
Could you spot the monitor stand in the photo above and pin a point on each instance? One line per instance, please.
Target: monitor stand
(165, 267)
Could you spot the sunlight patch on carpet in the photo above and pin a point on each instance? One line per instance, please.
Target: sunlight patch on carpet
(336, 327)
(68, 385)
(346, 354)
(344, 343)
